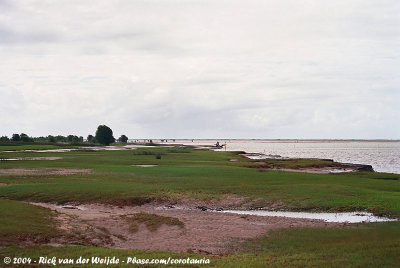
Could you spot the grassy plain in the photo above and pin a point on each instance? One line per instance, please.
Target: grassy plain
(188, 173)
(196, 174)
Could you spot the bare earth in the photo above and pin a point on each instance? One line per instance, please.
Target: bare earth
(204, 232)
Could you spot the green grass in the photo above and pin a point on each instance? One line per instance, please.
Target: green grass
(24, 222)
(152, 221)
(195, 174)
(370, 245)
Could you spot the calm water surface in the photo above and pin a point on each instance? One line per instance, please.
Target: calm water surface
(350, 217)
(384, 156)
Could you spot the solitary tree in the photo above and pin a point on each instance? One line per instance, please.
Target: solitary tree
(123, 139)
(15, 137)
(104, 135)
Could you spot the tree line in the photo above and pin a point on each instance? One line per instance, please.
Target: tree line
(103, 135)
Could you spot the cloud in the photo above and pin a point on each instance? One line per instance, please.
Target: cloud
(260, 69)
(8, 36)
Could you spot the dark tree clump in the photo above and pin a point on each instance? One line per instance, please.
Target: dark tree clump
(15, 137)
(70, 138)
(104, 135)
(74, 139)
(51, 138)
(90, 138)
(25, 138)
(123, 139)
(4, 138)
(60, 138)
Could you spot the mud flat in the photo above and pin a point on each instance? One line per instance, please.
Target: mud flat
(205, 232)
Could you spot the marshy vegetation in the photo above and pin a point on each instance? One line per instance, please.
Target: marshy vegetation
(185, 173)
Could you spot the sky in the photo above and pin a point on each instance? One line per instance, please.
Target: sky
(201, 69)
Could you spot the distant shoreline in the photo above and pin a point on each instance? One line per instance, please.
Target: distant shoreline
(272, 140)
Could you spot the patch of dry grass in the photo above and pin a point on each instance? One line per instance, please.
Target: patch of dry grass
(152, 221)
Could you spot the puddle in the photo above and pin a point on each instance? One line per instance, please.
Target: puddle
(41, 151)
(31, 158)
(134, 146)
(350, 217)
(72, 207)
(341, 170)
(145, 165)
(342, 217)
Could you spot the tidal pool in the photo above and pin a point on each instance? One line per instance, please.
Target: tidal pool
(350, 217)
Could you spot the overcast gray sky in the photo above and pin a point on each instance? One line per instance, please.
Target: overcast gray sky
(201, 69)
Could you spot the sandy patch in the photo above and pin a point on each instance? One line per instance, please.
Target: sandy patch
(42, 172)
(204, 232)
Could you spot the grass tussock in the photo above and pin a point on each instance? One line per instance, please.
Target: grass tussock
(152, 221)
(146, 152)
